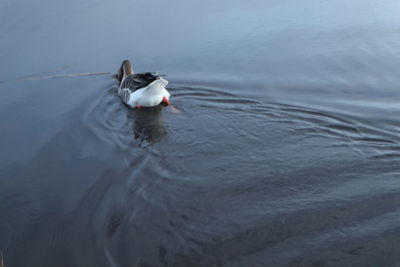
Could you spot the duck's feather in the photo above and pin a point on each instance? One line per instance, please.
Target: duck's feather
(125, 94)
(144, 89)
(138, 80)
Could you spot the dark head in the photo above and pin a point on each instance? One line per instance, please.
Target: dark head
(124, 70)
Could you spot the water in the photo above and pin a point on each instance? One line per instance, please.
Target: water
(285, 150)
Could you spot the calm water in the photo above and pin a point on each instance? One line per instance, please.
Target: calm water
(285, 152)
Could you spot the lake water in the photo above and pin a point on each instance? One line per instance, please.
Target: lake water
(285, 150)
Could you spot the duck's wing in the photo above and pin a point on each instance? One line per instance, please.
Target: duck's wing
(138, 80)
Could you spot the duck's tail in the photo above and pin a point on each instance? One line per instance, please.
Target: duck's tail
(157, 86)
(124, 71)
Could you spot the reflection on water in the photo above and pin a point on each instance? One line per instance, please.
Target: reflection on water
(285, 153)
(149, 125)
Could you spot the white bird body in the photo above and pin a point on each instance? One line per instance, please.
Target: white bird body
(149, 96)
(141, 89)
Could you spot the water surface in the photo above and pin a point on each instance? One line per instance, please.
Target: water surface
(285, 151)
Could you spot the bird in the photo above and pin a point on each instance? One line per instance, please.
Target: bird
(139, 90)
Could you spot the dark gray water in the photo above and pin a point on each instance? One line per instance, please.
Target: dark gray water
(285, 152)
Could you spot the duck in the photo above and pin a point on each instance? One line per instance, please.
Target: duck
(139, 90)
